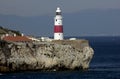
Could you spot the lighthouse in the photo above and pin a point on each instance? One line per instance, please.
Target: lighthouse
(58, 26)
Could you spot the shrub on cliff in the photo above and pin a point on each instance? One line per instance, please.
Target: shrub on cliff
(8, 31)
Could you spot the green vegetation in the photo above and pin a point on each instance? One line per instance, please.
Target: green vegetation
(8, 31)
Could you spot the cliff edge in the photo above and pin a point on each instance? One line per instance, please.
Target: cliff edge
(51, 56)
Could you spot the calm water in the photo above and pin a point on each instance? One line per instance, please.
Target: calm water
(105, 63)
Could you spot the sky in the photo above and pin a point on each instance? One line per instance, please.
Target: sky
(40, 7)
(36, 9)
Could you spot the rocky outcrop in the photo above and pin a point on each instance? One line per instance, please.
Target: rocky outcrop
(55, 55)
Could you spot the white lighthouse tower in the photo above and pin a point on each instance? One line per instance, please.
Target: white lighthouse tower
(58, 26)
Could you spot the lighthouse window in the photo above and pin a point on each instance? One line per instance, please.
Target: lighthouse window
(58, 13)
(56, 19)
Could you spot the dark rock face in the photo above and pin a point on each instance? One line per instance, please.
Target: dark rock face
(55, 55)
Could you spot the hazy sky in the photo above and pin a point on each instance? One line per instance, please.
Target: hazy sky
(40, 7)
(81, 17)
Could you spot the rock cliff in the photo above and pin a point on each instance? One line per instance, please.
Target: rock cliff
(55, 55)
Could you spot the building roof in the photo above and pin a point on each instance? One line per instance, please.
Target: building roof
(17, 39)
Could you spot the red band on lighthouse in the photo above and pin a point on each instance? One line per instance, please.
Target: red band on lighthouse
(58, 29)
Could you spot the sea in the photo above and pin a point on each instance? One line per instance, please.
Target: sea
(104, 65)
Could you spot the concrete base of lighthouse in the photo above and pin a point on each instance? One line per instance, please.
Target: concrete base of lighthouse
(58, 36)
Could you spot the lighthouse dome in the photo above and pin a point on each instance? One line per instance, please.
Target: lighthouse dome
(58, 9)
